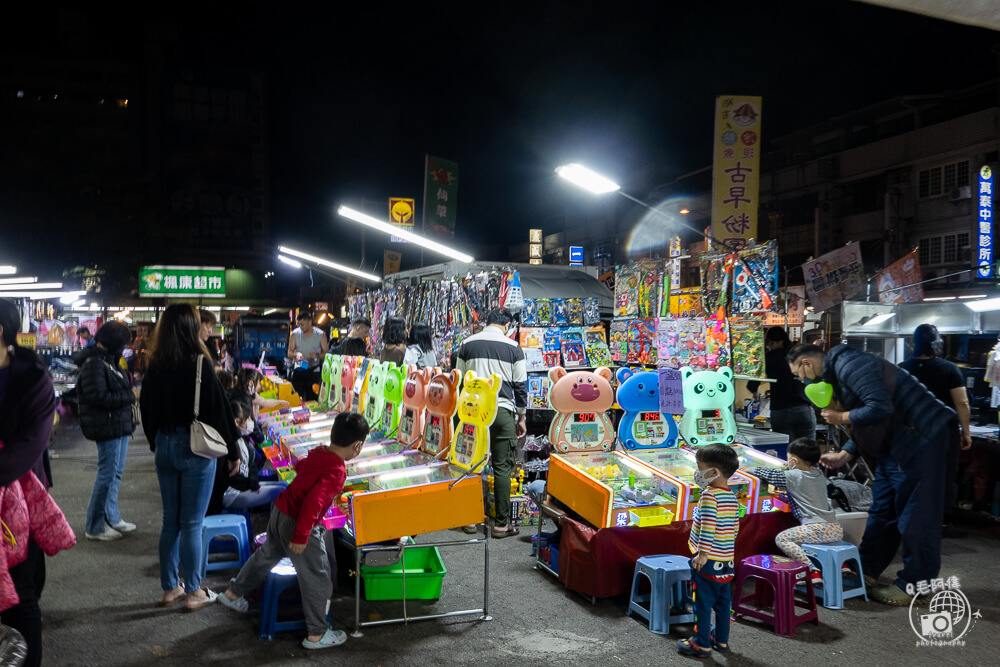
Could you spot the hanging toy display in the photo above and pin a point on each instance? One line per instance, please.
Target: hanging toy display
(757, 292)
(708, 402)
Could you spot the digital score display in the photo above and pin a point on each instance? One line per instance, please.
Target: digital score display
(584, 417)
(650, 417)
(468, 429)
(435, 421)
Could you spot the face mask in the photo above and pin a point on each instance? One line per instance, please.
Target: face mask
(702, 480)
(247, 427)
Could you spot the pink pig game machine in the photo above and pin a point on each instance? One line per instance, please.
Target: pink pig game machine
(584, 474)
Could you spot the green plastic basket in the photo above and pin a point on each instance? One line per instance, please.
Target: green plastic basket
(424, 575)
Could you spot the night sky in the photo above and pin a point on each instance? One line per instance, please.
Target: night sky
(360, 92)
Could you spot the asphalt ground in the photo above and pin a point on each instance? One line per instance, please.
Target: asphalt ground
(99, 608)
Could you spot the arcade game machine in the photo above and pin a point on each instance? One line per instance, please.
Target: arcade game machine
(769, 498)
(708, 407)
(440, 495)
(605, 488)
(360, 389)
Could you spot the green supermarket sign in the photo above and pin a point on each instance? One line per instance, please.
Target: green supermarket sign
(200, 281)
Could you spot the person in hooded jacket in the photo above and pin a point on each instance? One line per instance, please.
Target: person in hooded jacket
(27, 406)
(106, 399)
(894, 419)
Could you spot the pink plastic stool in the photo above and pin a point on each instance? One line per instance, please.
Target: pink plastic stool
(783, 574)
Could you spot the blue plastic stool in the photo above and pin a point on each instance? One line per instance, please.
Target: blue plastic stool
(669, 579)
(243, 513)
(829, 558)
(225, 525)
(281, 577)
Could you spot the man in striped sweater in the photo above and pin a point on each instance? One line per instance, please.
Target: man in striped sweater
(491, 351)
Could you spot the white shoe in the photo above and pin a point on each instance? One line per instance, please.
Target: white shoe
(329, 639)
(123, 526)
(107, 535)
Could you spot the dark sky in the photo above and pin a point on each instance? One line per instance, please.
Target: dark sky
(359, 92)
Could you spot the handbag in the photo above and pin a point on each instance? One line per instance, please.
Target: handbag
(206, 442)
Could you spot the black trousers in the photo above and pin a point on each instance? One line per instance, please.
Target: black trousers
(303, 381)
(25, 616)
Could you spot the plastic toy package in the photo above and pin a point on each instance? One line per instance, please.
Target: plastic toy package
(759, 293)
(575, 308)
(747, 335)
(650, 283)
(626, 291)
(560, 313)
(681, 342)
(543, 312)
(538, 392)
(619, 340)
(641, 342)
(716, 341)
(573, 354)
(686, 303)
(591, 311)
(715, 275)
(598, 353)
(529, 315)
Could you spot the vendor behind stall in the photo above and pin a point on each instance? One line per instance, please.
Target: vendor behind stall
(791, 412)
(306, 347)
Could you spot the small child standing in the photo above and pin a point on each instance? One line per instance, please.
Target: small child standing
(295, 531)
(806, 488)
(712, 540)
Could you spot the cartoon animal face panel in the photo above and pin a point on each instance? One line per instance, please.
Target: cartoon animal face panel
(580, 391)
(477, 404)
(392, 384)
(708, 390)
(347, 373)
(638, 392)
(376, 379)
(415, 387)
(442, 394)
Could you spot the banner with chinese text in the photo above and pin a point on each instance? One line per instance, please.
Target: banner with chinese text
(834, 277)
(905, 271)
(736, 169)
(984, 224)
(391, 261)
(182, 281)
(440, 196)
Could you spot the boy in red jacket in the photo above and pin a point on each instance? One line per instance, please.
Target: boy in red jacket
(294, 531)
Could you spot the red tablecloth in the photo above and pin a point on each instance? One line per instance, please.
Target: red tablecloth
(600, 563)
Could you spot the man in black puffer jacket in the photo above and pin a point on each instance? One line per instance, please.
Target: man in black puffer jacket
(106, 399)
(904, 426)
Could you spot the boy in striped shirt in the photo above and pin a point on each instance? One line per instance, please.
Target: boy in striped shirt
(713, 538)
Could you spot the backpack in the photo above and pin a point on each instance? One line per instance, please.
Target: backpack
(848, 496)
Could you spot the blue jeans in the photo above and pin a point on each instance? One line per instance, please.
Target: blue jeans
(265, 495)
(104, 498)
(907, 507)
(708, 595)
(185, 487)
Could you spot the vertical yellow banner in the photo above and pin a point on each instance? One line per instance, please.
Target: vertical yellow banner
(736, 170)
(391, 261)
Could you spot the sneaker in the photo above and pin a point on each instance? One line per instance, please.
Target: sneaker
(817, 577)
(123, 526)
(893, 596)
(329, 639)
(106, 535)
(239, 605)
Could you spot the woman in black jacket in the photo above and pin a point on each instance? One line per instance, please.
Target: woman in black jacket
(106, 399)
(167, 406)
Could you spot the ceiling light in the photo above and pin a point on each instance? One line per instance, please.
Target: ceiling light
(270, 310)
(45, 286)
(879, 319)
(7, 270)
(329, 264)
(580, 176)
(983, 305)
(684, 211)
(941, 298)
(39, 295)
(971, 296)
(290, 262)
(386, 228)
(80, 302)
(21, 281)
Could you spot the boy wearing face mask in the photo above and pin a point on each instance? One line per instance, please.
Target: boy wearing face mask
(241, 489)
(713, 539)
(806, 488)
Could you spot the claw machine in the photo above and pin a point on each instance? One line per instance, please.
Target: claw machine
(769, 498)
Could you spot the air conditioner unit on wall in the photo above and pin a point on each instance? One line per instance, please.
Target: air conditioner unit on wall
(957, 194)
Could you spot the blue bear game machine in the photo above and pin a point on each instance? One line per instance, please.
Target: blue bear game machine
(643, 426)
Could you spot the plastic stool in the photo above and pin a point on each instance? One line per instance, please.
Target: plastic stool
(243, 513)
(783, 574)
(225, 525)
(668, 592)
(829, 558)
(281, 577)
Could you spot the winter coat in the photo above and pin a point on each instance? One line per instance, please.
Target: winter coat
(415, 355)
(26, 417)
(105, 397)
(28, 512)
(901, 420)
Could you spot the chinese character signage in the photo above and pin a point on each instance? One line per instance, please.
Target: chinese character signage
(179, 281)
(834, 277)
(401, 215)
(736, 170)
(440, 196)
(391, 261)
(905, 271)
(984, 228)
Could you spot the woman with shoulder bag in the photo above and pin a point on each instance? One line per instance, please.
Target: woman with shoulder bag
(177, 359)
(106, 400)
